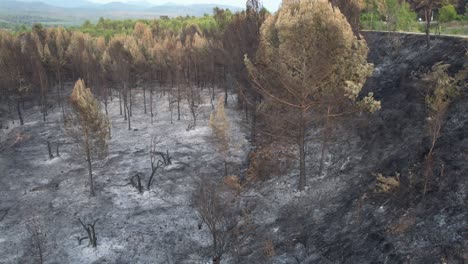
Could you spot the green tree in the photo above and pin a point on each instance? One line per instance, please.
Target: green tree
(398, 14)
(88, 126)
(406, 18)
(308, 59)
(442, 89)
(447, 13)
(428, 7)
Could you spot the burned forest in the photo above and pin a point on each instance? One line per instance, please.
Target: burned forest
(293, 135)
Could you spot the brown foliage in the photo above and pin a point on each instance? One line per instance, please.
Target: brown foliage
(218, 210)
(88, 126)
(266, 161)
(308, 60)
(232, 182)
(269, 248)
(441, 91)
(403, 224)
(387, 184)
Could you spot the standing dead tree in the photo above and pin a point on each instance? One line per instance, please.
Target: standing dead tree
(91, 231)
(57, 149)
(192, 98)
(38, 239)
(136, 182)
(222, 216)
(49, 149)
(158, 159)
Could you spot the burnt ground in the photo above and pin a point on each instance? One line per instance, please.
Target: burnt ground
(362, 226)
(339, 218)
(158, 226)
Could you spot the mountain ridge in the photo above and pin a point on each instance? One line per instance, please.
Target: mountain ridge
(142, 4)
(15, 12)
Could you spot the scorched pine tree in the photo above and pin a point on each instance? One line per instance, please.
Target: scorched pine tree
(88, 125)
(309, 61)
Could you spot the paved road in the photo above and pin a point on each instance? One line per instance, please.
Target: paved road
(417, 33)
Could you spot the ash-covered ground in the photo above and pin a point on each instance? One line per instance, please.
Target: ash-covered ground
(339, 218)
(159, 226)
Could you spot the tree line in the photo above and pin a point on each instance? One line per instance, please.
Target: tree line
(297, 74)
(241, 53)
(176, 54)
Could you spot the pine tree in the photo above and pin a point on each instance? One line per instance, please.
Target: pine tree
(309, 59)
(88, 125)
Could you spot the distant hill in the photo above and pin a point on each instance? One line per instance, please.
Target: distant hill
(59, 12)
(119, 6)
(171, 9)
(33, 6)
(62, 3)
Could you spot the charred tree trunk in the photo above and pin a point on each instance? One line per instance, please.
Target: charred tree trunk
(120, 102)
(91, 231)
(129, 124)
(144, 97)
(136, 182)
(302, 165)
(151, 105)
(170, 107)
(125, 106)
(88, 160)
(427, 14)
(18, 109)
(129, 110)
(225, 87)
(178, 102)
(106, 95)
(325, 138)
(60, 88)
(225, 168)
(253, 132)
(49, 149)
(57, 152)
(216, 258)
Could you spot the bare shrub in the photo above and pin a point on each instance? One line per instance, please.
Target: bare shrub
(232, 182)
(91, 231)
(193, 101)
(38, 239)
(268, 160)
(158, 159)
(220, 212)
(387, 184)
(402, 225)
(269, 248)
(220, 127)
(440, 93)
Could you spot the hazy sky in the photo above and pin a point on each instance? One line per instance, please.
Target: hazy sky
(271, 5)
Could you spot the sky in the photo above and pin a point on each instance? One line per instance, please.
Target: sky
(271, 5)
